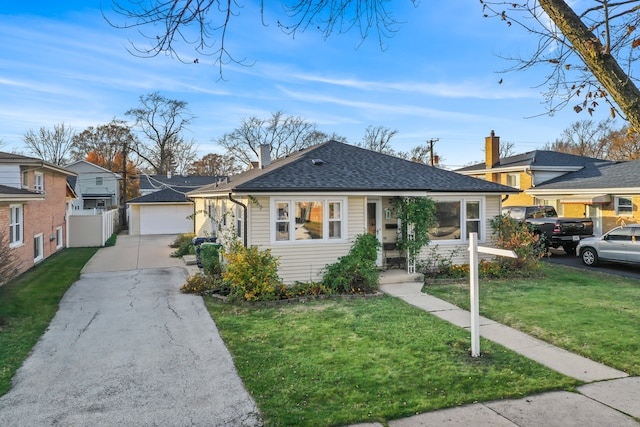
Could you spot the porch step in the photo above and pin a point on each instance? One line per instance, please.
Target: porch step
(189, 259)
(390, 277)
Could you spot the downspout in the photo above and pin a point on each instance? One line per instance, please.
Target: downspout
(528, 172)
(244, 221)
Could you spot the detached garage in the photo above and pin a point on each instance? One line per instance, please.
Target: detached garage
(163, 212)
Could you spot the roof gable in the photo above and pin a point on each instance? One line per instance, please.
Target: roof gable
(336, 166)
(167, 195)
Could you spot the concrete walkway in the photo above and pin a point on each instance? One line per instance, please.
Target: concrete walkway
(127, 348)
(611, 397)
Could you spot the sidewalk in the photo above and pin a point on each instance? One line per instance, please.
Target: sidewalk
(609, 398)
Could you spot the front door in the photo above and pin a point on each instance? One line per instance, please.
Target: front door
(373, 224)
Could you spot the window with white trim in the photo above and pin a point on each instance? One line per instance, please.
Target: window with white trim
(456, 218)
(38, 182)
(59, 238)
(38, 247)
(308, 219)
(239, 220)
(513, 180)
(624, 206)
(16, 225)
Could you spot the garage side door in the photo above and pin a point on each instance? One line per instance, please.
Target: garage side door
(166, 219)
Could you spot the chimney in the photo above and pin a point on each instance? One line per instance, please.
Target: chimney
(264, 155)
(492, 155)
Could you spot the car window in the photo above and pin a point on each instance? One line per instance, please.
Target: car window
(621, 234)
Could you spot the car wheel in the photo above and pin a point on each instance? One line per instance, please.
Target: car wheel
(570, 249)
(589, 256)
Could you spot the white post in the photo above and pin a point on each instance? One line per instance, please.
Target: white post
(474, 295)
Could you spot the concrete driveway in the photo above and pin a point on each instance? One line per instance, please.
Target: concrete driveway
(127, 348)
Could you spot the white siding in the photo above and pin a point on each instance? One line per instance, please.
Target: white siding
(303, 262)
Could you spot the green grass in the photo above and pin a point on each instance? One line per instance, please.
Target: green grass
(593, 314)
(337, 362)
(29, 302)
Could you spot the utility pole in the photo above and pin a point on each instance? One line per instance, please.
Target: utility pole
(431, 142)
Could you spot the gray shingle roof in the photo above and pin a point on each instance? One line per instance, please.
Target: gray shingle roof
(537, 158)
(167, 195)
(598, 176)
(184, 183)
(5, 189)
(336, 166)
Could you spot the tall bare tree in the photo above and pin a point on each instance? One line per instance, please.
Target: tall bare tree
(585, 138)
(284, 134)
(378, 138)
(107, 141)
(163, 121)
(623, 145)
(51, 145)
(591, 46)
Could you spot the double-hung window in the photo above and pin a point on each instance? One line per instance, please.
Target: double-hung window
(624, 206)
(309, 219)
(15, 225)
(38, 182)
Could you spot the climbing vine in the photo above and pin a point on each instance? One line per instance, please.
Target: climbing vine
(417, 216)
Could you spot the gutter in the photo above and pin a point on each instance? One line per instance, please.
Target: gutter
(244, 221)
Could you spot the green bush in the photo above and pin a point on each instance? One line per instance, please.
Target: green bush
(357, 271)
(251, 273)
(183, 245)
(210, 258)
(111, 241)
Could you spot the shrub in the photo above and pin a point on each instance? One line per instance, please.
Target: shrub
(520, 238)
(251, 273)
(440, 265)
(210, 258)
(183, 245)
(355, 272)
(202, 284)
(111, 241)
(301, 290)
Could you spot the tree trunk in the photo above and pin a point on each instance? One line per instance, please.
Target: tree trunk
(603, 66)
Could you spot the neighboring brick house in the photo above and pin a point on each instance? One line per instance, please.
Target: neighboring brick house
(606, 191)
(34, 201)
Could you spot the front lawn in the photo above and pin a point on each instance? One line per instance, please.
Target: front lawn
(338, 362)
(29, 302)
(593, 314)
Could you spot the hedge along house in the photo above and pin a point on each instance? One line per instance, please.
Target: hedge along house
(309, 207)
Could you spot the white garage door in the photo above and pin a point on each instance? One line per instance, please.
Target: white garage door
(165, 219)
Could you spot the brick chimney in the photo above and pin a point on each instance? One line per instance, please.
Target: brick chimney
(492, 153)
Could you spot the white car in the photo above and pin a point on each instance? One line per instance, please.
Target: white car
(622, 244)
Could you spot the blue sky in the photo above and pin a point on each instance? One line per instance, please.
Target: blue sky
(437, 79)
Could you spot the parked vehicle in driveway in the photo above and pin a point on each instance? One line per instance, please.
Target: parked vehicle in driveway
(556, 231)
(622, 244)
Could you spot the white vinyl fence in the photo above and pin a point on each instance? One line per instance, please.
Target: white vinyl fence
(91, 230)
